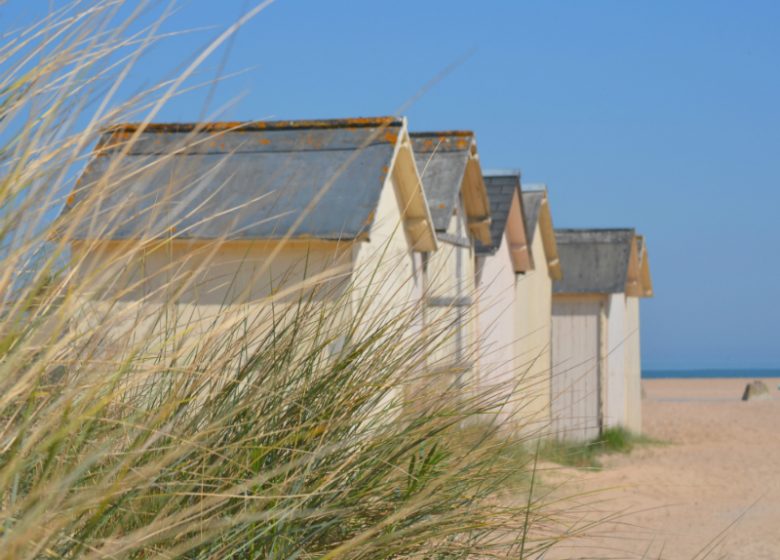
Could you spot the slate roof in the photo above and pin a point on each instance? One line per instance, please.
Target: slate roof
(441, 159)
(240, 180)
(594, 260)
(501, 187)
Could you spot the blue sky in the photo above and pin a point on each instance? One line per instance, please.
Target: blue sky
(660, 115)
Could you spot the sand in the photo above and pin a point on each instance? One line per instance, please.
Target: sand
(720, 471)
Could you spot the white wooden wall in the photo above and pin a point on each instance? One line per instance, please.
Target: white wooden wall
(386, 273)
(496, 313)
(633, 367)
(449, 287)
(533, 344)
(576, 384)
(616, 345)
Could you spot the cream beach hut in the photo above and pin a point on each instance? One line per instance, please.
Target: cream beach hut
(240, 211)
(448, 164)
(497, 266)
(590, 309)
(533, 319)
(633, 417)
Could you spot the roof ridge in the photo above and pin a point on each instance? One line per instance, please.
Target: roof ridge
(253, 126)
(426, 133)
(502, 173)
(596, 230)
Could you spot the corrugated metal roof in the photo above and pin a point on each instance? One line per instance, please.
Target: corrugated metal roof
(593, 260)
(501, 187)
(441, 160)
(239, 180)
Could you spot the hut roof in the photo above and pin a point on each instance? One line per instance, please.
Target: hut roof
(248, 180)
(448, 164)
(594, 260)
(506, 215)
(536, 210)
(501, 189)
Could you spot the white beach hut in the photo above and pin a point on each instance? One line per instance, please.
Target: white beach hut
(533, 320)
(232, 214)
(497, 266)
(448, 164)
(590, 321)
(633, 417)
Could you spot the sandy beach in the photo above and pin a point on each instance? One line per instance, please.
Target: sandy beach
(719, 470)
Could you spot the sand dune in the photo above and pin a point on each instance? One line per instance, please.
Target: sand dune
(719, 472)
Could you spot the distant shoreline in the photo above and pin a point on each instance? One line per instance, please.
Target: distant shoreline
(709, 373)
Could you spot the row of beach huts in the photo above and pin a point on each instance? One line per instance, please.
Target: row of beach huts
(552, 314)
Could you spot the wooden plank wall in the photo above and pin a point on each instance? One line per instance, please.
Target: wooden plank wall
(576, 387)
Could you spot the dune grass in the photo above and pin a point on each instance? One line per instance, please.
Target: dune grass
(284, 429)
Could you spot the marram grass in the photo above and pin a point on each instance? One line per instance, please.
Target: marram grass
(288, 430)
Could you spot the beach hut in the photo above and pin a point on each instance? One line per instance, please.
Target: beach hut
(590, 308)
(238, 212)
(448, 164)
(533, 319)
(633, 417)
(497, 266)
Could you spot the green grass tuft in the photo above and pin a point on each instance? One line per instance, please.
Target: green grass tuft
(586, 454)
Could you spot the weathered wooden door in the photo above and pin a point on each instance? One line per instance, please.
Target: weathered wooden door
(576, 390)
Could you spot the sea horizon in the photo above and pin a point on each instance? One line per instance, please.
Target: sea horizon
(705, 373)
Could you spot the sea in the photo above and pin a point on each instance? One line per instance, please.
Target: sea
(709, 373)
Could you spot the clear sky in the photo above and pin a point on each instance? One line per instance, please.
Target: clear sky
(661, 115)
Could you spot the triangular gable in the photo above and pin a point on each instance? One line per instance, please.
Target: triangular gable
(252, 180)
(448, 164)
(506, 214)
(633, 280)
(644, 267)
(596, 261)
(536, 209)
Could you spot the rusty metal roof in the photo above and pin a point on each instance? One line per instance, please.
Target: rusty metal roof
(254, 180)
(501, 187)
(441, 161)
(594, 261)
